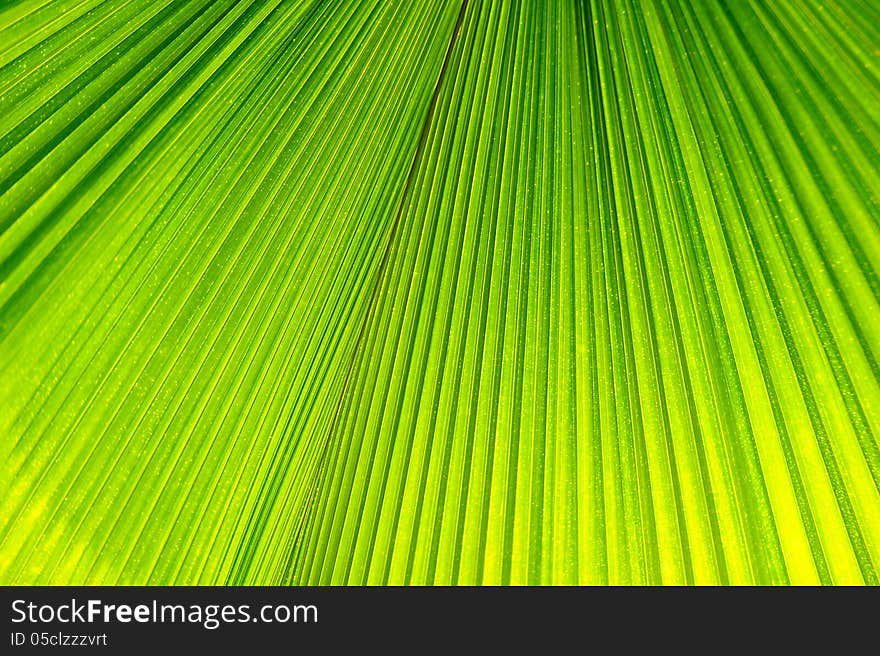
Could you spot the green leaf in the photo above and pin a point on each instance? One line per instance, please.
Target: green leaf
(439, 292)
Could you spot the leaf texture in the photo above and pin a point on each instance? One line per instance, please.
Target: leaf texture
(315, 292)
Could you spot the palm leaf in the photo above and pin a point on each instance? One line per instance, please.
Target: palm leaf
(439, 292)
